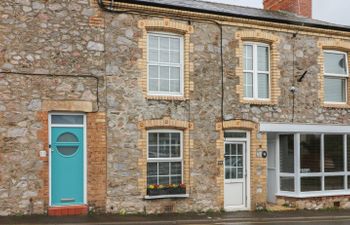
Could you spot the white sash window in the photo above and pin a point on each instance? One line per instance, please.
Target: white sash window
(165, 64)
(335, 77)
(256, 71)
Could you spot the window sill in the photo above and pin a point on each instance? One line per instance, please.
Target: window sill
(166, 98)
(313, 194)
(148, 197)
(336, 106)
(257, 102)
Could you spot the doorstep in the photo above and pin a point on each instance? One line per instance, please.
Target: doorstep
(72, 210)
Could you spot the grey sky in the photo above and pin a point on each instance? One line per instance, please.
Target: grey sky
(335, 11)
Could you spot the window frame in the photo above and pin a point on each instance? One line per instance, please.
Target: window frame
(255, 70)
(336, 76)
(181, 64)
(170, 159)
(297, 175)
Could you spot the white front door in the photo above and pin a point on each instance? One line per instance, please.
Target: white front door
(235, 190)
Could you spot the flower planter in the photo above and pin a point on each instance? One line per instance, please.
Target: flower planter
(166, 191)
(177, 191)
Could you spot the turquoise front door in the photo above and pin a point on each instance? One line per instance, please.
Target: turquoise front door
(67, 166)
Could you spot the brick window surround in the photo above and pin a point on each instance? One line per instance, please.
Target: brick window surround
(258, 192)
(273, 41)
(165, 123)
(337, 45)
(168, 26)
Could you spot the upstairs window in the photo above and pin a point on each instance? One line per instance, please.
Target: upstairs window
(165, 64)
(335, 77)
(256, 71)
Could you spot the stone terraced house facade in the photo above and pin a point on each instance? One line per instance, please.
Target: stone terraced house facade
(103, 103)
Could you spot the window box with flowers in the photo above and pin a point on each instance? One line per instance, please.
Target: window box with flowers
(171, 189)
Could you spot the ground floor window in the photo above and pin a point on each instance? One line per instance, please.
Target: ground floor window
(164, 161)
(314, 163)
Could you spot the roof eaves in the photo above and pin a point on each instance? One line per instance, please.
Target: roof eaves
(185, 8)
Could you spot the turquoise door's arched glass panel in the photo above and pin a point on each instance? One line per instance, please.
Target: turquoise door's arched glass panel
(67, 137)
(67, 166)
(67, 150)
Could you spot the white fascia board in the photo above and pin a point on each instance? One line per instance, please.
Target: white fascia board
(303, 128)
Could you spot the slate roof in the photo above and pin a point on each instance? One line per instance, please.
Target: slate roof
(241, 12)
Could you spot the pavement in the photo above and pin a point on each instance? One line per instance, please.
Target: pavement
(322, 217)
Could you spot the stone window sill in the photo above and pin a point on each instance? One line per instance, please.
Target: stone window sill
(337, 106)
(147, 197)
(257, 102)
(167, 98)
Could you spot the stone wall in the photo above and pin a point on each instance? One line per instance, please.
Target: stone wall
(342, 202)
(23, 133)
(203, 109)
(74, 38)
(39, 42)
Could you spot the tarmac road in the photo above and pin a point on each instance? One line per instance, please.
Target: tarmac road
(318, 222)
(322, 217)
